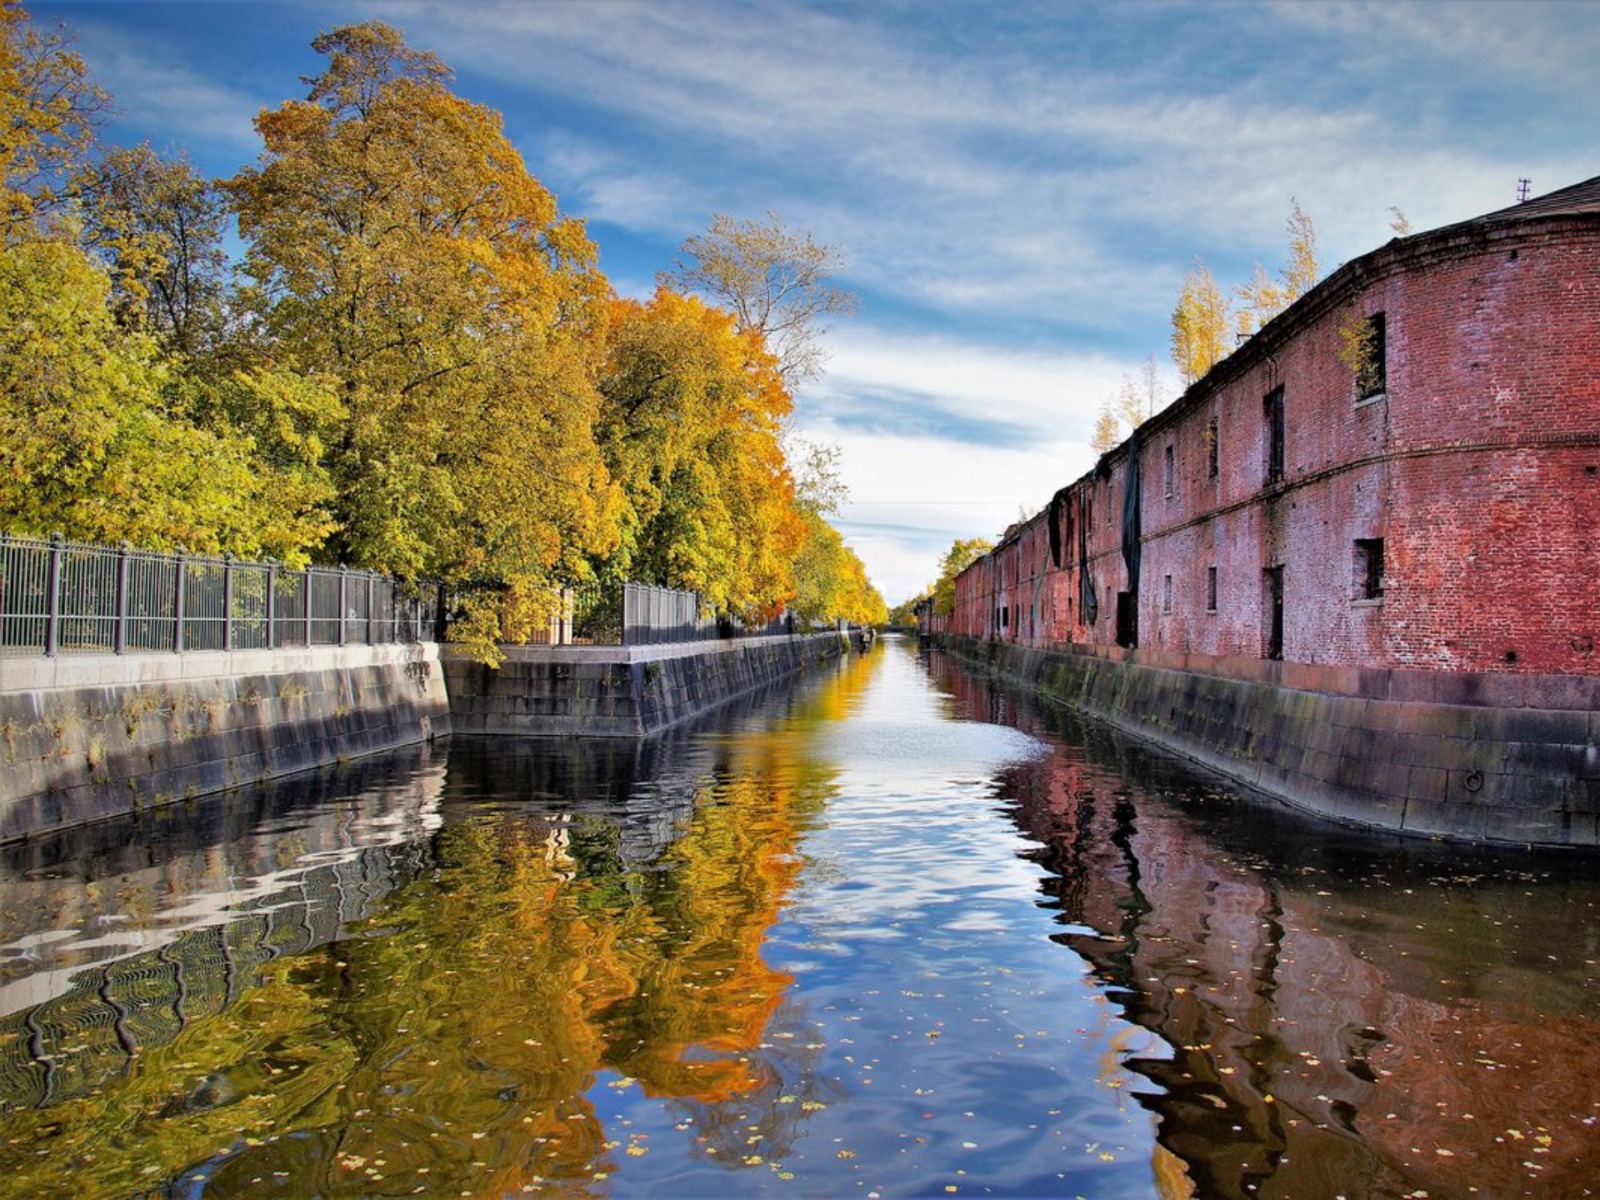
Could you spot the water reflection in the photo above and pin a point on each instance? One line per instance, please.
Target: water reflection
(424, 981)
(1343, 1013)
(895, 932)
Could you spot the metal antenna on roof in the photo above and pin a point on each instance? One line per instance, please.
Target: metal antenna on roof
(1522, 191)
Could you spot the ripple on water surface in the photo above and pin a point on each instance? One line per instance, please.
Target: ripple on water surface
(895, 933)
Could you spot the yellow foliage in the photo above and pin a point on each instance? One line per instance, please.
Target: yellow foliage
(1199, 325)
(691, 425)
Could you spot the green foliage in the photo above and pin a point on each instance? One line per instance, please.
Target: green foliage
(96, 437)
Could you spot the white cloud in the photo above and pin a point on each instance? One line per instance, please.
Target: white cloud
(910, 498)
(1055, 394)
(155, 90)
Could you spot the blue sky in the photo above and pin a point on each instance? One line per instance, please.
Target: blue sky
(1017, 189)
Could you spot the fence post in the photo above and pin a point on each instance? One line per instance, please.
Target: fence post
(227, 602)
(52, 612)
(344, 577)
(119, 637)
(272, 605)
(305, 594)
(369, 608)
(177, 605)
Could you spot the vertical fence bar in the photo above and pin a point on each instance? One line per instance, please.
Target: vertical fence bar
(227, 602)
(119, 638)
(305, 592)
(369, 608)
(177, 604)
(272, 605)
(343, 590)
(52, 615)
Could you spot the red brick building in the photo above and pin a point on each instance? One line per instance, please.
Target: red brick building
(1445, 515)
(1425, 527)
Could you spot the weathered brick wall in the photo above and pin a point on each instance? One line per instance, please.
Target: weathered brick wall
(1478, 467)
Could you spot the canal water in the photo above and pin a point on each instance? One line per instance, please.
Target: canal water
(891, 933)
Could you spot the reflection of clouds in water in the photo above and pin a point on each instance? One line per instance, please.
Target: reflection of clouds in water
(911, 837)
(945, 752)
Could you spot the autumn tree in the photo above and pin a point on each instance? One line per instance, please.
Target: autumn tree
(773, 281)
(830, 579)
(1301, 275)
(401, 252)
(99, 438)
(961, 555)
(1105, 430)
(92, 444)
(50, 112)
(158, 226)
(1199, 325)
(1263, 297)
(694, 410)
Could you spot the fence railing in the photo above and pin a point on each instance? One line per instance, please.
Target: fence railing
(637, 614)
(60, 597)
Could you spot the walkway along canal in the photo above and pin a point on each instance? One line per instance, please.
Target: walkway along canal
(893, 932)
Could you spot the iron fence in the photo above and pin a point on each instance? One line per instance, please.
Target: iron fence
(637, 614)
(60, 597)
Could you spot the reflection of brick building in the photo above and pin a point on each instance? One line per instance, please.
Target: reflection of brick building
(1412, 525)
(1332, 1029)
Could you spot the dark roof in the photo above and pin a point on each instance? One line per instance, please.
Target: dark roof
(1579, 198)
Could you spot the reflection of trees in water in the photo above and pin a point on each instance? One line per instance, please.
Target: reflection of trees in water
(1334, 1002)
(217, 898)
(82, 1040)
(449, 1012)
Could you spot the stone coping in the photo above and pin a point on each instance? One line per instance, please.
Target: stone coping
(657, 652)
(1488, 689)
(67, 671)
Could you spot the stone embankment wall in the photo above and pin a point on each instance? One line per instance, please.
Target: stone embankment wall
(619, 691)
(85, 738)
(1466, 756)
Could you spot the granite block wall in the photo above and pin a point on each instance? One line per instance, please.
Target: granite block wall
(87, 738)
(619, 691)
(1510, 773)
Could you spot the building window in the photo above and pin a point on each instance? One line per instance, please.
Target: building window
(1372, 378)
(1211, 449)
(1272, 611)
(1166, 593)
(1369, 569)
(1169, 470)
(1273, 404)
(1211, 589)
